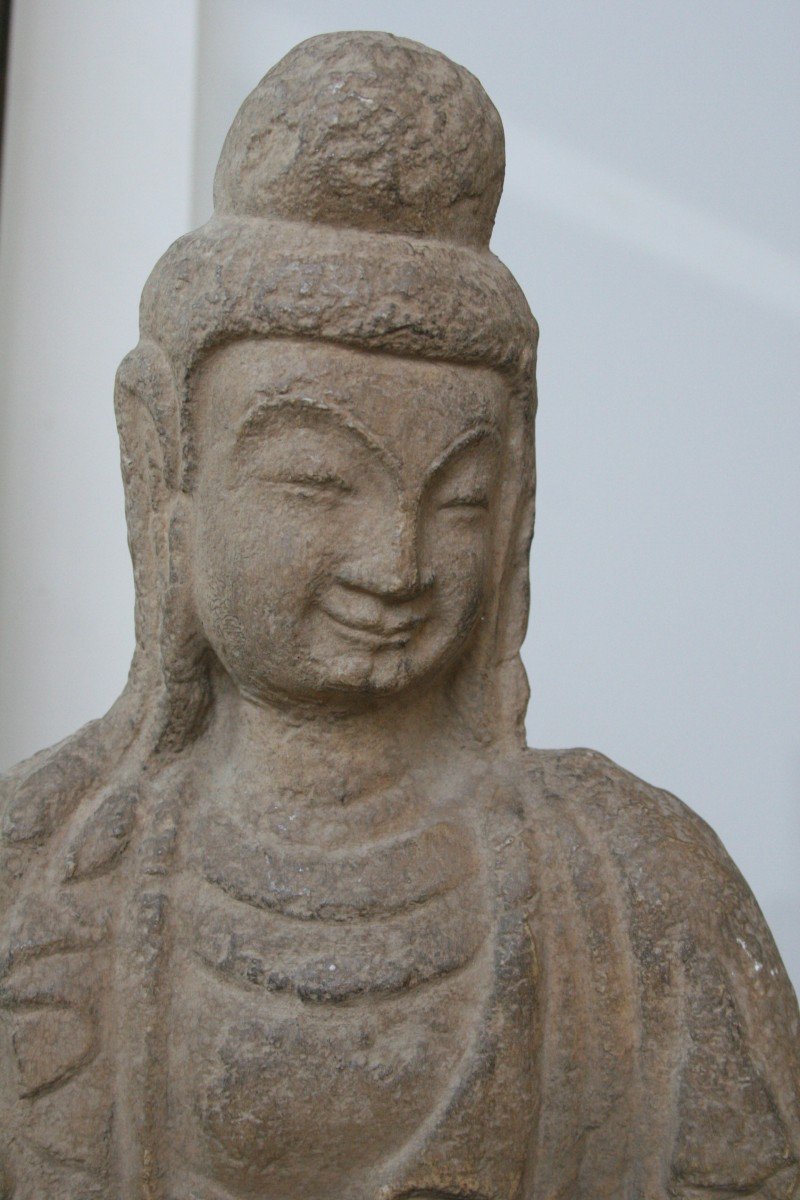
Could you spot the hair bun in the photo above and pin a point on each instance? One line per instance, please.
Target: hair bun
(369, 131)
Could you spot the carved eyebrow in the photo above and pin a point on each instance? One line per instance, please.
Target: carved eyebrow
(471, 437)
(267, 404)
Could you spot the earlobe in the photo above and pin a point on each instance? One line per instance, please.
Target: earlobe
(181, 626)
(184, 649)
(160, 521)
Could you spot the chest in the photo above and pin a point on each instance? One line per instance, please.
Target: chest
(323, 1004)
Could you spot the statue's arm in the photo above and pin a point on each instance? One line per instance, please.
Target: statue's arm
(54, 1102)
(738, 1093)
(739, 1098)
(673, 963)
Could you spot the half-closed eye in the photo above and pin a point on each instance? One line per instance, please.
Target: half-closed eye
(462, 480)
(310, 481)
(471, 500)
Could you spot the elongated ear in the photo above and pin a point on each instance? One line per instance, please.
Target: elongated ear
(490, 687)
(169, 640)
(147, 411)
(145, 384)
(185, 655)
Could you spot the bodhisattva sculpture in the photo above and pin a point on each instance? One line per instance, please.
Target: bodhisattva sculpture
(301, 918)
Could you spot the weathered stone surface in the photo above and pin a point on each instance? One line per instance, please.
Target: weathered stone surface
(301, 917)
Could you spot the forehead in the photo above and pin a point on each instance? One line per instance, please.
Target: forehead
(414, 408)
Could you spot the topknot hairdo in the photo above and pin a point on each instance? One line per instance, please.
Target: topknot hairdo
(354, 201)
(369, 131)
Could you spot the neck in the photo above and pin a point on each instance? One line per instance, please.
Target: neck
(328, 756)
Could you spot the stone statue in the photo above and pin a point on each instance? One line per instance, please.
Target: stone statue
(301, 918)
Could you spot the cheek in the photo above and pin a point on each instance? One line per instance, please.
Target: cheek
(456, 554)
(256, 562)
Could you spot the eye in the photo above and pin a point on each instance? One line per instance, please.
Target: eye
(312, 485)
(477, 501)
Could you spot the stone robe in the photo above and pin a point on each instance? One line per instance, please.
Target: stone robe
(635, 1035)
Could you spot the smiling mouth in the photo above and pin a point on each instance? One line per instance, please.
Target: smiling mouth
(372, 634)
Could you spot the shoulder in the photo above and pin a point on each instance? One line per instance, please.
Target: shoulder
(670, 875)
(67, 812)
(592, 778)
(666, 859)
(37, 793)
(614, 809)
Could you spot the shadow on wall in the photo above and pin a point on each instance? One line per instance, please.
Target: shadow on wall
(5, 27)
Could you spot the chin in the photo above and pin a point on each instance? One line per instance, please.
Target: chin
(378, 675)
(367, 674)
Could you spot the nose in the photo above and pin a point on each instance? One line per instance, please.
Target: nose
(388, 563)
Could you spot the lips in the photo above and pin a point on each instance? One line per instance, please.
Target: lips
(374, 633)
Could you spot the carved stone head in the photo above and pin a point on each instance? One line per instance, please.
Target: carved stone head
(335, 383)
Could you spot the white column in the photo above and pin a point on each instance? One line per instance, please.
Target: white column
(96, 184)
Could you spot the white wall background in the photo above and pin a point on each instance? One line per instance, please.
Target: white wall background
(650, 214)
